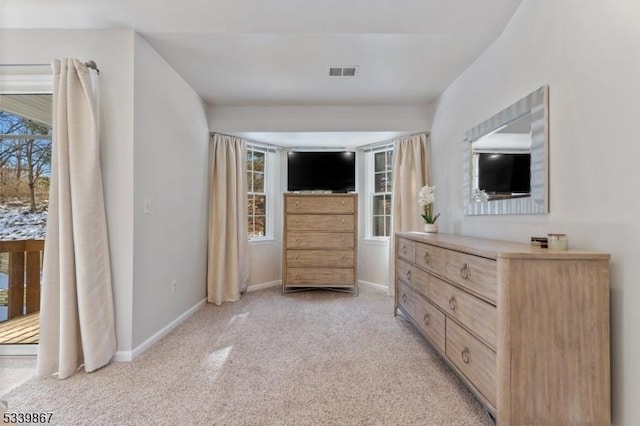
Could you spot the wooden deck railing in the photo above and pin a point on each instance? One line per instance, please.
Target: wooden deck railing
(24, 268)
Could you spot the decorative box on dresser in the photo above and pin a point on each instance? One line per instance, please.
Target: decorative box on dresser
(526, 329)
(320, 242)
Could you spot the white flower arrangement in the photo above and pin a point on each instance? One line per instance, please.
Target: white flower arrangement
(426, 197)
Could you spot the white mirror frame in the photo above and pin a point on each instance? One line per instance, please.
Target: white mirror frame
(537, 103)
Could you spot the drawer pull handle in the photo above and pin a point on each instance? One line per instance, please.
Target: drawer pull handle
(453, 304)
(427, 319)
(465, 272)
(427, 258)
(297, 276)
(344, 240)
(466, 355)
(297, 204)
(343, 202)
(298, 221)
(404, 298)
(404, 249)
(409, 275)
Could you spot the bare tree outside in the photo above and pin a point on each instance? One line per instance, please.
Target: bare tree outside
(25, 161)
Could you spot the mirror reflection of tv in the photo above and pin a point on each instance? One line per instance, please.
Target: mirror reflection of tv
(504, 173)
(333, 171)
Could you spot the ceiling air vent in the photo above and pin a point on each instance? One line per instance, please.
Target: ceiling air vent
(349, 71)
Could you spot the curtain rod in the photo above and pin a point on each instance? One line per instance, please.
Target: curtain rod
(379, 144)
(251, 141)
(89, 64)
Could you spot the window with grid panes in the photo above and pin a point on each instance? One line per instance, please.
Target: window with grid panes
(381, 196)
(257, 195)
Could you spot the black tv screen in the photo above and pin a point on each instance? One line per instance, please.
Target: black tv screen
(504, 173)
(321, 170)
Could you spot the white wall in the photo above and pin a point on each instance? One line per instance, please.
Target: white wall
(170, 170)
(587, 51)
(113, 52)
(318, 118)
(147, 251)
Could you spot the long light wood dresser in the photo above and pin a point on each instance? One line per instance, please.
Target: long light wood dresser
(320, 242)
(526, 329)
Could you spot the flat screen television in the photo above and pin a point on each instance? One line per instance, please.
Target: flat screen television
(333, 171)
(504, 173)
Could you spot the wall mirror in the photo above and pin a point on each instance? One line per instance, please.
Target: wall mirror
(505, 160)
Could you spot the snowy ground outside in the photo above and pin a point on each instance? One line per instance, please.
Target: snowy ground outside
(18, 223)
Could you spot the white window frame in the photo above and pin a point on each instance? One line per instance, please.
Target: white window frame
(28, 84)
(269, 191)
(370, 192)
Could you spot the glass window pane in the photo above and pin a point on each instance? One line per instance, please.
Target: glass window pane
(258, 182)
(258, 161)
(389, 155)
(387, 205)
(389, 182)
(260, 202)
(249, 182)
(250, 205)
(387, 221)
(378, 226)
(379, 162)
(260, 227)
(378, 205)
(380, 182)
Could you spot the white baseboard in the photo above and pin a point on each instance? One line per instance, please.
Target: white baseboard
(261, 286)
(380, 287)
(18, 350)
(128, 356)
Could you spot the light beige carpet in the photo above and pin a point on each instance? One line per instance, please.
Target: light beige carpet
(311, 358)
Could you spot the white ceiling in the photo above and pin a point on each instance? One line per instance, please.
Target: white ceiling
(277, 52)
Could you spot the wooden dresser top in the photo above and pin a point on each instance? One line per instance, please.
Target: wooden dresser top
(494, 249)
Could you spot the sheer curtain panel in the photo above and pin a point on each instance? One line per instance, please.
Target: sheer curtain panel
(76, 316)
(410, 173)
(228, 257)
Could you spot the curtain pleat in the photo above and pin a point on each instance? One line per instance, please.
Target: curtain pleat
(76, 317)
(228, 256)
(410, 173)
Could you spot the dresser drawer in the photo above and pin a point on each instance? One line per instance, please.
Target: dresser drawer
(424, 314)
(321, 258)
(407, 249)
(322, 204)
(413, 276)
(318, 222)
(476, 360)
(320, 276)
(473, 272)
(476, 314)
(431, 258)
(326, 240)
(407, 299)
(431, 321)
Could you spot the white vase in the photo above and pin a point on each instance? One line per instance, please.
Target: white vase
(430, 228)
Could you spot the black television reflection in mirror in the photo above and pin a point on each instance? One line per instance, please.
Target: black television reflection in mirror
(504, 175)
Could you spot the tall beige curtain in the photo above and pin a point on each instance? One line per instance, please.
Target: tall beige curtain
(228, 258)
(410, 173)
(76, 317)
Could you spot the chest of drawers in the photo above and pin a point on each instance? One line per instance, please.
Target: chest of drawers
(527, 330)
(320, 242)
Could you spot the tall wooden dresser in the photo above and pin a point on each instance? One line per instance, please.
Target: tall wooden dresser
(527, 330)
(320, 242)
